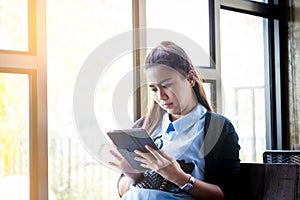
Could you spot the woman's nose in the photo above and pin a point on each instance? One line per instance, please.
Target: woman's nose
(161, 95)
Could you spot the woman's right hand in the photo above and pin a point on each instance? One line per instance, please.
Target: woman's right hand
(125, 167)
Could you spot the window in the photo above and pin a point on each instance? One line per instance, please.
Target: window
(244, 80)
(75, 170)
(250, 77)
(14, 25)
(24, 109)
(179, 12)
(196, 40)
(42, 73)
(241, 37)
(14, 135)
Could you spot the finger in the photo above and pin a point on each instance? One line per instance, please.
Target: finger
(116, 155)
(163, 153)
(155, 153)
(145, 161)
(146, 166)
(150, 160)
(113, 164)
(141, 160)
(147, 155)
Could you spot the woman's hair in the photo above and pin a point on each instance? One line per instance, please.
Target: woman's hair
(169, 54)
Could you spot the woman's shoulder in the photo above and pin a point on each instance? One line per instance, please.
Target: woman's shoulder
(216, 116)
(216, 119)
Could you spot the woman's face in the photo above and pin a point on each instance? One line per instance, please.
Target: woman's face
(170, 90)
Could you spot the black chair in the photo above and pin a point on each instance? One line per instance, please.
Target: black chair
(282, 156)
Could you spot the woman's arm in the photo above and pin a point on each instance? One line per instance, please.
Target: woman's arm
(222, 163)
(129, 175)
(200, 189)
(124, 183)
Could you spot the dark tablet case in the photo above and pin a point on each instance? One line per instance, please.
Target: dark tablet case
(129, 140)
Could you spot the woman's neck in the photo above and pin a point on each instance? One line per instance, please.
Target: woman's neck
(174, 117)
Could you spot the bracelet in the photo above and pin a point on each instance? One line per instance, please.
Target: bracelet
(118, 183)
(119, 180)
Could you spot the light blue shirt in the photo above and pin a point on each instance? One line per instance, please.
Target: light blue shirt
(183, 144)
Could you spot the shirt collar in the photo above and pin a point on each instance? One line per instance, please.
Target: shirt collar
(185, 122)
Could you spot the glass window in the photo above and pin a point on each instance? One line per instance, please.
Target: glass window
(74, 30)
(14, 25)
(190, 19)
(210, 91)
(244, 80)
(14, 136)
(261, 1)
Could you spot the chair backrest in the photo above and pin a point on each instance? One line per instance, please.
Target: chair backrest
(282, 156)
(270, 181)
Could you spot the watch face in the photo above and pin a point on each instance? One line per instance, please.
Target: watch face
(187, 187)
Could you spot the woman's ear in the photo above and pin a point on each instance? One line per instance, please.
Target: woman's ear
(190, 78)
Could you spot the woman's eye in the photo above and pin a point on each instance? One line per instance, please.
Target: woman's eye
(166, 85)
(153, 89)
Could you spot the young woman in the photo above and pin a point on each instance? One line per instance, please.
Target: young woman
(199, 150)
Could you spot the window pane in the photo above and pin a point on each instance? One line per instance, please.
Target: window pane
(261, 1)
(85, 25)
(14, 136)
(105, 91)
(188, 18)
(210, 91)
(14, 25)
(244, 80)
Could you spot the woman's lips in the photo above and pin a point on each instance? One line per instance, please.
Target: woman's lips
(167, 105)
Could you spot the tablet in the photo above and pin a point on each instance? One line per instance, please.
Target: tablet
(129, 140)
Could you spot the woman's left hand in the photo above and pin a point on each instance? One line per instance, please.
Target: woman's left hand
(160, 162)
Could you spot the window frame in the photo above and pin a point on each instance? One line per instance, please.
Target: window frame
(32, 28)
(33, 63)
(276, 36)
(277, 72)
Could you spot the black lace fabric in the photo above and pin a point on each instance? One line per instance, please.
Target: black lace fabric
(152, 180)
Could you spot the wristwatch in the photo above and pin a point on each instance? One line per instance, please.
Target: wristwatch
(189, 185)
